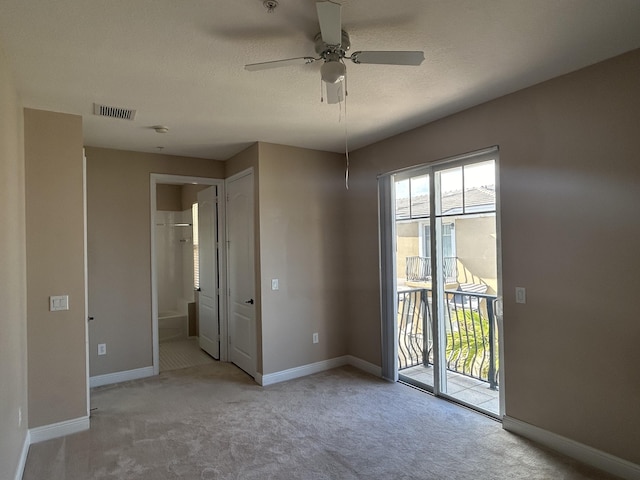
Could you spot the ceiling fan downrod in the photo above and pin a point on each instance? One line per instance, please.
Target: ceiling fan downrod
(270, 5)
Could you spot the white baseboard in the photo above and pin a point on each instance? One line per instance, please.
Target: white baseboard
(317, 367)
(22, 461)
(302, 371)
(584, 453)
(117, 377)
(364, 365)
(56, 430)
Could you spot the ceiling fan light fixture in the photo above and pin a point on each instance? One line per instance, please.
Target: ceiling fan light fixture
(333, 71)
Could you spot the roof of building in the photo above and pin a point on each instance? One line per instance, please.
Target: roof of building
(474, 200)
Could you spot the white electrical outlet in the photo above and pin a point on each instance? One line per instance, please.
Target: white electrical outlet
(315, 338)
(521, 295)
(275, 284)
(102, 349)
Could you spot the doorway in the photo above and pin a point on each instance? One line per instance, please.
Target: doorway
(188, 271)
(441, 268)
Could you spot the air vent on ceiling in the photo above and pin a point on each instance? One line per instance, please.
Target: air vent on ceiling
(113, 112)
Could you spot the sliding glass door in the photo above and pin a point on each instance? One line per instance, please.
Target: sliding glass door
(445, 254)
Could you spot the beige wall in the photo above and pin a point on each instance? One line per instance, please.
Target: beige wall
(118, 204)
(169, 197)
(177, 198)
(13, 278)
(302, 242)
(189, 195)
(55, 266)
(569, 187)
(248, 158)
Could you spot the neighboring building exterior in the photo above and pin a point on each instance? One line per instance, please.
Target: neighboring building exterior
(468, 243)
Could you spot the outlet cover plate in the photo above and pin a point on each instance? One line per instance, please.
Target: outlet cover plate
(521, 295)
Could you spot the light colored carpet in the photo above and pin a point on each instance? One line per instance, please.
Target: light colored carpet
(184, 353)
(213, 422)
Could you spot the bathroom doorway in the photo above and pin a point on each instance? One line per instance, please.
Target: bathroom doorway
(178, 269)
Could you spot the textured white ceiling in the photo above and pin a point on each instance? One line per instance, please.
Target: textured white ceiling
(180, 63)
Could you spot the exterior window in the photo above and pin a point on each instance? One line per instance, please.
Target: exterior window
(196, 254)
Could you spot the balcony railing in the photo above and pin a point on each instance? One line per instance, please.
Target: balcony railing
(470, 332)
(418, 269)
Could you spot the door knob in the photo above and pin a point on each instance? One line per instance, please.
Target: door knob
(250, 301)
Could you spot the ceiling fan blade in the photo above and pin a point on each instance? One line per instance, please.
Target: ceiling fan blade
(389, 57)
(329, 17)
(335, 92)
(253, 67)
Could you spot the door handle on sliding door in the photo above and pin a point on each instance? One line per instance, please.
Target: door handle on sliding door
(250, 301)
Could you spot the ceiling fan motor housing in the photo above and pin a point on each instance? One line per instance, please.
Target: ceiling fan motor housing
(325, 50)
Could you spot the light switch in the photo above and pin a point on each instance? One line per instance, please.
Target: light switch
(58, 302)
(275, 284)
(521, 295)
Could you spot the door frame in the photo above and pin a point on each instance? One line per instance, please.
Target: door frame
(85, 259)
(387, 242)
(161, 178)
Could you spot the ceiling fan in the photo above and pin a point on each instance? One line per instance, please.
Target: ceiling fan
(332, 44)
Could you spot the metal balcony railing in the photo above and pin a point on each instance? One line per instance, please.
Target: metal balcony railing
(470, 332)
(418, 269)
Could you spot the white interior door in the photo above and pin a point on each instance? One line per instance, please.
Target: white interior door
(209, 328)
(242, 323)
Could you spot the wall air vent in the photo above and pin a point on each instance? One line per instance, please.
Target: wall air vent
(113, 112)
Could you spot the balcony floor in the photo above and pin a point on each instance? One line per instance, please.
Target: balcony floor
(460, 387)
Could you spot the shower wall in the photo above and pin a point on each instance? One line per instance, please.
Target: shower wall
(174, 260)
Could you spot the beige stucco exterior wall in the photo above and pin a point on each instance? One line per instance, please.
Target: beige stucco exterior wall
(475, 239)
(119, 251)
(407, 244)
(55, 266)
(476, 251)
(568, 179)
(13, 278)
(302, 239)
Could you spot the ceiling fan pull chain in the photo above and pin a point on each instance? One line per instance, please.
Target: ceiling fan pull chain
(321, 92)
(346, 92)
(346, 173)
(346, 137)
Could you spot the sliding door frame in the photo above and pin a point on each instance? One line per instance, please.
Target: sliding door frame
(388, 273)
